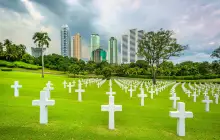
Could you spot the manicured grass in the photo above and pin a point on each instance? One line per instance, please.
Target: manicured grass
(72, 120)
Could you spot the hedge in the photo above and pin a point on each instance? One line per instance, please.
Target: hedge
(6, 69)
(6, 64)
(26, 66)
(84, 76)
(197, 77)
(197, 81)
(19, 64)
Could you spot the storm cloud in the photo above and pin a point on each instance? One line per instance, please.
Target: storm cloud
(195, 23)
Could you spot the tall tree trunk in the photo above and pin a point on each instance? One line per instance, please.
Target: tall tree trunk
(154, 76)
(42, 55)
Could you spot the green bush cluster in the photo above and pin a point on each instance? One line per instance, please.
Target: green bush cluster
(18, 64)
(84, 76)
(6, 64)
(197, 77)
(26, 66)
(6, 69)
(197, 81)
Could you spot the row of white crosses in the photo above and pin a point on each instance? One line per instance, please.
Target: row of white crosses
(206, 100)
(174, 98)
(142, 95)
(180, 114)
(111, 108)
(79, 90)
(99, 84)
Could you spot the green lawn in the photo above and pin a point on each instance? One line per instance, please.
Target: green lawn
(72, 120)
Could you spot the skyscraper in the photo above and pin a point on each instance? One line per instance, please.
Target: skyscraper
(133, 44)
(124, 49)
(140, 35)
(36, 52)
(77, 48)
(99, 55)
(129, 46)
(94, 44)
(65, 41)
(112, 51)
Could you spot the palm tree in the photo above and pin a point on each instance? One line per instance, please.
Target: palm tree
(42, 39)
(1, 50)
(8, 45)
(216, 53)
(7, 42)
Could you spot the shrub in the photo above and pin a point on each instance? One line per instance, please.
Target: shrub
(107, 72)
(6, 69)
(6, 64)
(84, 76)
(26, 66)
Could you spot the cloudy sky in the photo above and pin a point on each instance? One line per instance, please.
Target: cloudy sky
(195, 22)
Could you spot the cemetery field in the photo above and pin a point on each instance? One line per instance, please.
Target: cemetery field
(69, 119)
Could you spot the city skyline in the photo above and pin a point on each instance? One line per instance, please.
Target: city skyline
(194, 22)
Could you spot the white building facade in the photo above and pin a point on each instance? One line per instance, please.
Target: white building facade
(129, 46)
(65, 41)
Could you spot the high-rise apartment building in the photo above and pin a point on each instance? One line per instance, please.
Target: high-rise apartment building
(77, 48)
(132, 44)
(140, 35)
(112, 51)
(124, 49)
(99, 55)
(129, 46)
(36, 52)
(94, 43)
(65, 41)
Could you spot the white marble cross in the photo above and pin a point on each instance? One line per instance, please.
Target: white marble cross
(194, 96)
(64, 83)
(135, 87)
(152, 93)
(147, 88)
(73, 82)
(174, 98)
(142, 96)
(126, 89)
(205, 93)
(98, 84)
(156, 91)
(16, 87)
(48, 89)
(207, 102)
(189, 93)
(79, 90)
(70, 87)
(181, 114)
(110, 82)
(216, 98)
(130, 90)
(199, 91)
(43, 103)
(86, 83)
(49, 84)
(110, 93)
(111, 108)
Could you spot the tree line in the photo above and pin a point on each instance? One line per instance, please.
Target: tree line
(75, 66)
(155, 47)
